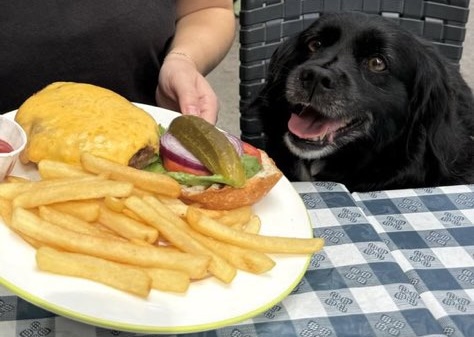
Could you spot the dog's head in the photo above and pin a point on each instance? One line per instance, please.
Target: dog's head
(346, 76)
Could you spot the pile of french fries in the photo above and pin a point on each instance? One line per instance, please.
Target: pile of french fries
(128, 229)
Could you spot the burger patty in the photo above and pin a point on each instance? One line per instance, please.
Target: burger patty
(142, 158)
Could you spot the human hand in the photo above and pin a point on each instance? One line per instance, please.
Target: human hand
(182, 88)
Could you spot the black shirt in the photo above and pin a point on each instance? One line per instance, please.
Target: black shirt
(116, 44)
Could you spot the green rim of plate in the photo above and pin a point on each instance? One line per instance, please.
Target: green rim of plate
(148, 329)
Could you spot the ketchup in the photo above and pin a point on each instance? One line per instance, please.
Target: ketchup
(5, 147)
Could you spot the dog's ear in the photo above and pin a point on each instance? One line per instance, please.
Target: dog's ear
(434, 107)
(431, 87)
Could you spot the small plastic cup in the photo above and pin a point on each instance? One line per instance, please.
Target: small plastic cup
(12, 133)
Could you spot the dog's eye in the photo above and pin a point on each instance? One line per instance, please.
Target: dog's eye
(376, 64)
(314, 44)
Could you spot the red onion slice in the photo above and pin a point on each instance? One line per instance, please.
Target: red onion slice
(171, 148)
(236, 142)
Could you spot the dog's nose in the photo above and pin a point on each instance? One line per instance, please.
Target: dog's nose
(312, 78)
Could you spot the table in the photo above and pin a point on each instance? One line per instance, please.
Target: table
(396, 264)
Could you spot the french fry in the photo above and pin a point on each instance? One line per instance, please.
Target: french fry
(244, 259)
(236, 217)
(78, 190)
(12, 190)
(16, 179)
(119, 276)
(87, 210)
(107, 230)
(266, 244)
(238, 226)
(219, 267)
(50, 169)
(212, 213)
(6, 210)
(168, 280)
(148, 181)
(72, 223)
(143, 243)
(253, 225)
(127, 227)
(113, 203)
(31, 241)
(140, 192)
(6, 214)
(131, 214)
(30, 224)
(176, 205)
(171, 248)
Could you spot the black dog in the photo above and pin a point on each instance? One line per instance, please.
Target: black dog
(358, 100)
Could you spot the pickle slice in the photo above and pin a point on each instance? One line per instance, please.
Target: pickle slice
(210, 146)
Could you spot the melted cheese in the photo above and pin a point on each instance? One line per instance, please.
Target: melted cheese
(67, 118)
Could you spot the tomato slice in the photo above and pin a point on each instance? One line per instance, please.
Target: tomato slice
(252, 151)
(173, 166)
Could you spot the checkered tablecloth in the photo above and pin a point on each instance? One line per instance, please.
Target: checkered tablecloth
(430, 233)
(395, 264)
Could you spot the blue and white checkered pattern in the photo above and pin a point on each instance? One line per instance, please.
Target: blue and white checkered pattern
(430, 233)
(395, 264)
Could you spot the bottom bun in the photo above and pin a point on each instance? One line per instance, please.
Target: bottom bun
(226, 197)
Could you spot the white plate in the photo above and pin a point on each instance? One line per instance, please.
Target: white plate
(208, 304)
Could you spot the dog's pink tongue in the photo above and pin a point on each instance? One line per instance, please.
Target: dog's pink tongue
(307, 127)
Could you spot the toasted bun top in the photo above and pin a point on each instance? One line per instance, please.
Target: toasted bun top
(67, 118)
(227, 197)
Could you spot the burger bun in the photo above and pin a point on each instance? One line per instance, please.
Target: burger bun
(226, 197)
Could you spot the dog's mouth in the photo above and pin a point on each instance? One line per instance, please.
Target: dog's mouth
(308, 124)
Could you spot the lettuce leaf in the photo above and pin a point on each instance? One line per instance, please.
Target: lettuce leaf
(251, 167)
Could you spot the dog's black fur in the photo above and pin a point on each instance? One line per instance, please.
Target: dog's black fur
(409, 113)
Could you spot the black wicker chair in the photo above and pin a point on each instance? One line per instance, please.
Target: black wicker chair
(265, 24)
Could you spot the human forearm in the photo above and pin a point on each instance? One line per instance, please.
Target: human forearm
(204, 33)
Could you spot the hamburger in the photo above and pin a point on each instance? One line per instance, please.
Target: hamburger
(215, 169)
(66, 118)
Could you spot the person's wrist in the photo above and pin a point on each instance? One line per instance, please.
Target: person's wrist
(180, 55)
